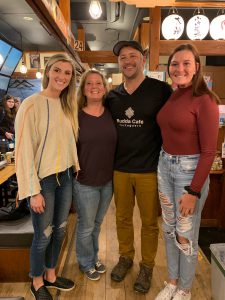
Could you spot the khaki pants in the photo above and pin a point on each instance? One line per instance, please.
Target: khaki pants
(144, 187)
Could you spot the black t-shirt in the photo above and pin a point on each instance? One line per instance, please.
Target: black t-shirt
(96, 148)
(139, 137)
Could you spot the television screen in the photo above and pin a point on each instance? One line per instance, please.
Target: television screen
(4, 50)
(11, 62)
(4, 82)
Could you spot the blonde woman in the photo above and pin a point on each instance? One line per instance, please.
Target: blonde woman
(46, 133)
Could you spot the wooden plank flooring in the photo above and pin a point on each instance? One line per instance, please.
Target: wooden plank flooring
(105, 289)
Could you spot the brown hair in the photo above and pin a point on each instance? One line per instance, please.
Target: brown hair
(68, 95)
(199, 86)
(10, 112)
(81, 98)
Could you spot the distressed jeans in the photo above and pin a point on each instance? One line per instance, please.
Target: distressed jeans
(91, 204)
(50, 226)
(175, 172)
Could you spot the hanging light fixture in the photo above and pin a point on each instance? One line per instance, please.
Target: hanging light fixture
(38, 73)
(95, 9)
(217, 27)
(172, 25)
(198, 26)
(23, 67)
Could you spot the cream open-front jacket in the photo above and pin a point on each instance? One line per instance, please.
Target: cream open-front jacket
(45, 143)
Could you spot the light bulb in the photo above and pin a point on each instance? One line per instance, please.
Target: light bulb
(109, 79)
(23, 68)
(1, 59)
(38, 75)
(95, 9)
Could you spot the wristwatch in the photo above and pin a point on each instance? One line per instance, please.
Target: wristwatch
(191, 192)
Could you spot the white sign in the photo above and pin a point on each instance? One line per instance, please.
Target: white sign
(172, 27)
(217, 28)
(198, 27)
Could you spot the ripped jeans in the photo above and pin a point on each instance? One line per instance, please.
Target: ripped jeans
(175, 172)
(50, 226)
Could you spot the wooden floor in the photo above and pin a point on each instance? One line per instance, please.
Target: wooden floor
(105, 289)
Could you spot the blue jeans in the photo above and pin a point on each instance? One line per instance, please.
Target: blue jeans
(175, 172)
(91, 205)
(50, 226)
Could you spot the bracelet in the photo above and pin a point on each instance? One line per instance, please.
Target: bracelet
(191, 192)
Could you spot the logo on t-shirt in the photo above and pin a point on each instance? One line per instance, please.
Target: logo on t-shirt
(129, 113)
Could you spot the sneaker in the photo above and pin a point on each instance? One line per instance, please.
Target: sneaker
(167, 293)
(92, 274)
(181, 295)
(99, 267)
(121, 268)
(143, 280)
(41, 294)
(62, 284)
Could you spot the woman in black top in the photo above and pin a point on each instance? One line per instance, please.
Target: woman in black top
(93, 183)
(7, 117)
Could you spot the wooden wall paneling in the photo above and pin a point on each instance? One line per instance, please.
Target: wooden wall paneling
(154, 3)
(144, 35)
(154, 45)
(214, 209)
(205, 47)
(136, 36)
(64, 6)
(222, 204)
(92, 57)
(81, 35)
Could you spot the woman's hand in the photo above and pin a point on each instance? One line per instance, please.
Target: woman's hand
(187, 204)
(37, 203)
(9, 135)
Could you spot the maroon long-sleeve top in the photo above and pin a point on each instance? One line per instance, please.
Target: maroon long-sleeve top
(189, 125)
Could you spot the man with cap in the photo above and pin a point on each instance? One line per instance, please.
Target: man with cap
(134, 105)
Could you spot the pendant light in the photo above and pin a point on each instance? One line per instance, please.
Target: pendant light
(95, 9)
(38, 73)
(198, 26)
(217, 27)
(173, 25)
(23, 67)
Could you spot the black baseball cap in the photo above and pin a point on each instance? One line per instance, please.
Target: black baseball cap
(121, 44)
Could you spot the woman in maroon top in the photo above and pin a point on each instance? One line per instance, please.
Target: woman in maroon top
(93, 184)
(189, 124)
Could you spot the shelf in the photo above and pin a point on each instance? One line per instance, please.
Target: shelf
(217, 171)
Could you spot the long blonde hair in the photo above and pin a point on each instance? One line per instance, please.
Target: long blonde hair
(68, 95)
(81, 98)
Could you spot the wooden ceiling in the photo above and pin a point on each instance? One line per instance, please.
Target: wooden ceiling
(163, 3)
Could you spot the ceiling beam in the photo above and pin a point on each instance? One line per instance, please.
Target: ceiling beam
(163, 3)
(93, 57)
(205, 47)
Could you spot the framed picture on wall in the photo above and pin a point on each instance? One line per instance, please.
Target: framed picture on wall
(34, 61)
(46, 59)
